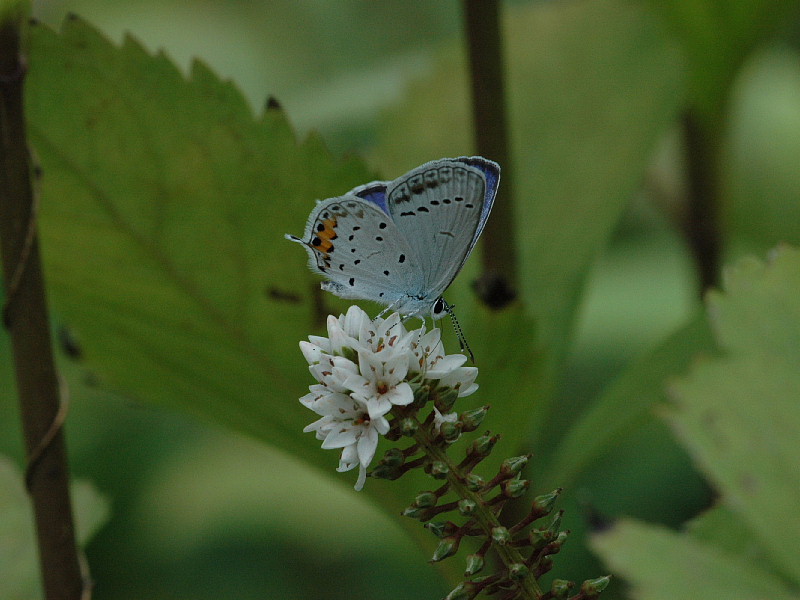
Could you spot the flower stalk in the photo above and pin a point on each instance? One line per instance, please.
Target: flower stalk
(377, 379)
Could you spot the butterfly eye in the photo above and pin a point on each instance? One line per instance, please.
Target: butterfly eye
(439, 307)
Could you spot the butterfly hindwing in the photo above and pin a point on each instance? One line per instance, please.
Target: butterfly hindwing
(357, 246)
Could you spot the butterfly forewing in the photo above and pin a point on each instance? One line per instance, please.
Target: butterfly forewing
(441, 206)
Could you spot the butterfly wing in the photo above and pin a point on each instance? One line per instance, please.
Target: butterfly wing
(442, 206)
(357, 246)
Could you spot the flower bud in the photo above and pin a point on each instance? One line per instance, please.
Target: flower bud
(555, 524)
(482, 446)
(474, 482)
(475, 564)
(386, 472)
(514, 488)
(438, 469)
(415, 512)
(513, 466)
(450, 431)
(393, 457)
(501, 536)
(560, 588)
(425, 500)
(421, 395)
(441, 528)
(466, 506)
(446, 398)
(465, 590)
(472, 419)
(591, 588)
(447, 547)
(539, 538)
(518, 571)
(543, 505)
(408, 426)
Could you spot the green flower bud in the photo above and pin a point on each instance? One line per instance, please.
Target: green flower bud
(408, 426)
(513, 466)
(439, 470)
(474, 482)
(415, 512)
(466, 506)
(475, 564)
(386, 472)
(450, 431)
(472, 419)
(447, 547)
(539, 538)
(446, 398)
(514, 488)
(543, 505)
(591, 588)
(501, 536)
(482, 446)
(393, 457)
(560, 588)
(441, 528)
(421, 394)
(425, 500)
(463, 591)
(518, 571)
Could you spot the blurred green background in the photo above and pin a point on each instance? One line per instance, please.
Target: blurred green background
(201, 512)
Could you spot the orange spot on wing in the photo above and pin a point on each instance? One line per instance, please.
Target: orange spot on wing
(323, 240)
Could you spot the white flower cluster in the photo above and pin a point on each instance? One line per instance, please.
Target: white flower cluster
(363, 368)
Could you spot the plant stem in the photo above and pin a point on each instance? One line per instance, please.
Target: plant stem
(483, 515)
(702, 227)
(497, 286)
(25, 316)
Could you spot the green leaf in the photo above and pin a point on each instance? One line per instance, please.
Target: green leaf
(18, 553)
(716, 37)
(625, 406)
(164, 204)
(663, 565)
(738, 416)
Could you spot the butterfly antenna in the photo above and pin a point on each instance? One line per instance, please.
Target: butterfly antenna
(462, 341)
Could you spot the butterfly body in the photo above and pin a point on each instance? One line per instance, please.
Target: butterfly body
(402, 242)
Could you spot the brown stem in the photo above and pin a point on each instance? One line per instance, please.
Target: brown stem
(702, 227)
(497, 285)
(25, 316)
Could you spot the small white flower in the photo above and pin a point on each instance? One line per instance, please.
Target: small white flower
(363, 369)
(345, 424)
(462, 380)
(380, 384)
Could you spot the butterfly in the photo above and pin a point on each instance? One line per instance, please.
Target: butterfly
(401, 243)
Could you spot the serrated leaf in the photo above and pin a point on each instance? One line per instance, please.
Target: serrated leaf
(164, 204)
(738, 416)
(663, 565)
(739, 419)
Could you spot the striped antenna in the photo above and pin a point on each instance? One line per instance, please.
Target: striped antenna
(462, 341)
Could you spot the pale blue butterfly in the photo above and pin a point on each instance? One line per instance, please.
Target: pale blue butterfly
(402, 243)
